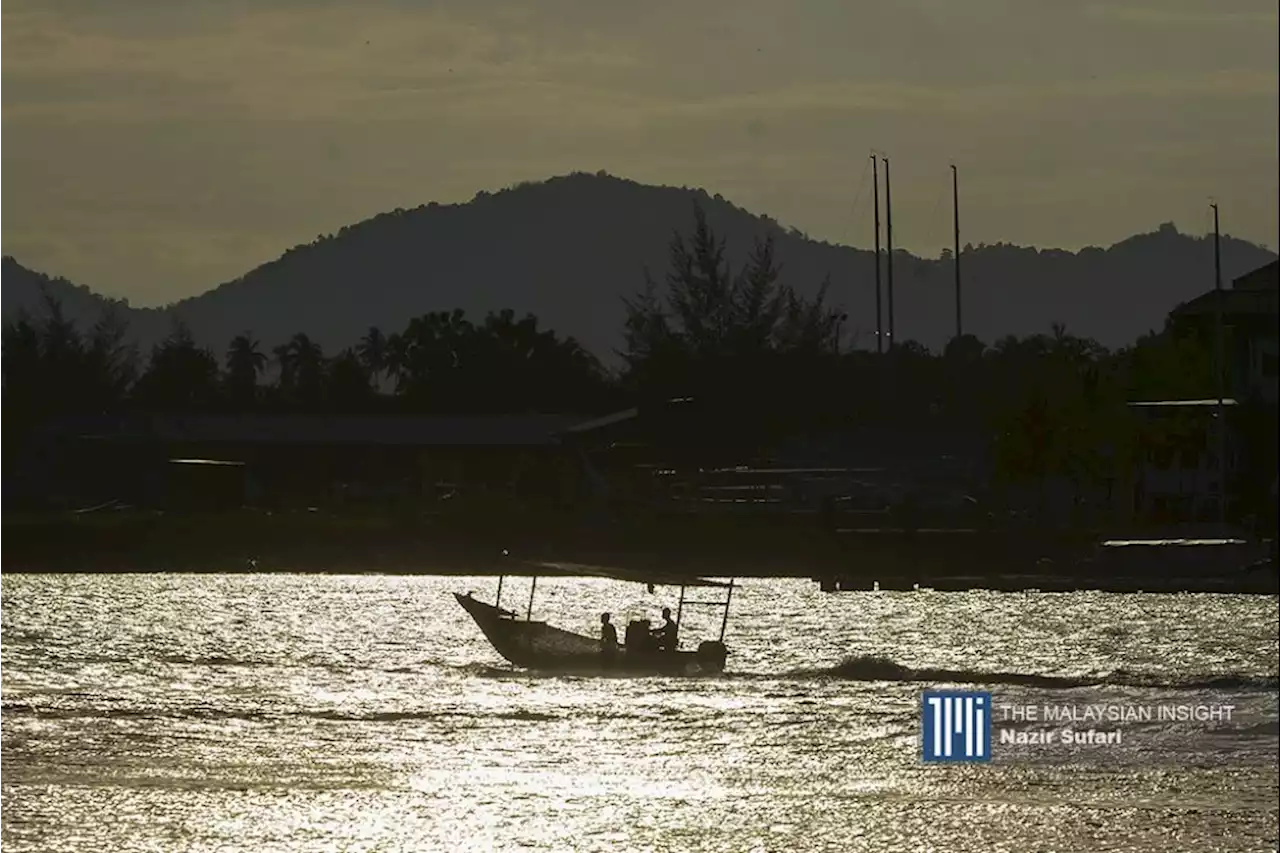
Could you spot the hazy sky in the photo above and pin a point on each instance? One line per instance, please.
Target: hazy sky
(155, 148)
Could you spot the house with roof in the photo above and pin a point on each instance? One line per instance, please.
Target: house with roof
(1183, 480)
(1250, 310)
(685, 454)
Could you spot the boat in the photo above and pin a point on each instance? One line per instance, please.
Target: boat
(533, 644)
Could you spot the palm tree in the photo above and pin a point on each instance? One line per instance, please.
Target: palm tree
(430, 355)
(285, 359)
(306, 368)
(244, 363)
(374, 353)
(308, 356)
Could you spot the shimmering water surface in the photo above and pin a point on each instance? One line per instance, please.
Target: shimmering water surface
(300, 713)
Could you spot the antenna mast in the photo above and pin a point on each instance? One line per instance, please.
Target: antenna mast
(955, 215)
(1218, 366)
(875, 190)
(888, 216)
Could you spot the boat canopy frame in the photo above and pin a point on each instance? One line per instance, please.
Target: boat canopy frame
(650, 579)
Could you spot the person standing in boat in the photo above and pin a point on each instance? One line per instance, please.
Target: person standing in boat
(608, 638)
(665, 634)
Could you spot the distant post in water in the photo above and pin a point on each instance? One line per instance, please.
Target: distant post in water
(955, 218)
(888, 220)
(875, 192)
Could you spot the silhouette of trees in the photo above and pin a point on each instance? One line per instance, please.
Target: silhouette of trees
(180, 375)
(442, 362)
(373, 353)
(50, 367)
(759, 359)
(303, 371)
(24, 355)
(348, 386)
(746, 345)
(1057, 410)
(245, 363)
(707, 312)
(113, 361)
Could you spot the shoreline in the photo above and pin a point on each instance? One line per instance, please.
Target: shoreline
(796, 547)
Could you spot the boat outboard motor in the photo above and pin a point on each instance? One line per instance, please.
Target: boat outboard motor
(712, 654)
(637, 637)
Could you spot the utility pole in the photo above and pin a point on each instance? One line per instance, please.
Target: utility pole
(888, 216)
(955, 218)
(1218, 372)
(875, 191)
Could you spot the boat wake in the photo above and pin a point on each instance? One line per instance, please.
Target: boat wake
(874, 668)
(207, 713)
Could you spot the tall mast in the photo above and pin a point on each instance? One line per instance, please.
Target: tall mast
(1218, 372)
(888, 217)
(955, 218)
(875, 190)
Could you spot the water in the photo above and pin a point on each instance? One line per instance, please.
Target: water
(282, 712)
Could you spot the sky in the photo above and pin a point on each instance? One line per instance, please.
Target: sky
(153, 149)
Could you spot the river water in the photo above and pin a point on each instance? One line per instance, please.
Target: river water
(367, 713)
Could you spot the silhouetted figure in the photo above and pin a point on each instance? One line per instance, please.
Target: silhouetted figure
(608, 638)
(665, 634)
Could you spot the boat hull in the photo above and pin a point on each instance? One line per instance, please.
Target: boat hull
(541, 647)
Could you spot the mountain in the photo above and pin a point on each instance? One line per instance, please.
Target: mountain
(568, 249)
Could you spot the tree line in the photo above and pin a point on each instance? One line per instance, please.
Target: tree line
(761, 359)
(439, 363)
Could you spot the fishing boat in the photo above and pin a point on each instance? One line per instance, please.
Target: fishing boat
(535, 645)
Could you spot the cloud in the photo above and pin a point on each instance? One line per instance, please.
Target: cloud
(287, 63)
(1219, 14)
(142, 124)
(379, 61)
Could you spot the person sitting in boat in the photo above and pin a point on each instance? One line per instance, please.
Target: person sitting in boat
(665, 634)
(608, 637)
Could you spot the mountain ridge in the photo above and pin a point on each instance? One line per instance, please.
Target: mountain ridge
(568, 249)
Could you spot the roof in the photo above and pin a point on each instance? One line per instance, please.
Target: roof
(1156, 543)
(1236, 302)
(607, 420)
(1263, 278)
(1225, 401)
(449, 431)
(640, 575)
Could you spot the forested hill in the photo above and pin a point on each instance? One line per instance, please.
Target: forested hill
(569, 249)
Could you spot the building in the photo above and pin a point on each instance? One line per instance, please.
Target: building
(679, 455)
(222, 461)
(1178, 478)
(1250, 310)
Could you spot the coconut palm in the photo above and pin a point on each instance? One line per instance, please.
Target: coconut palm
(245, 362)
